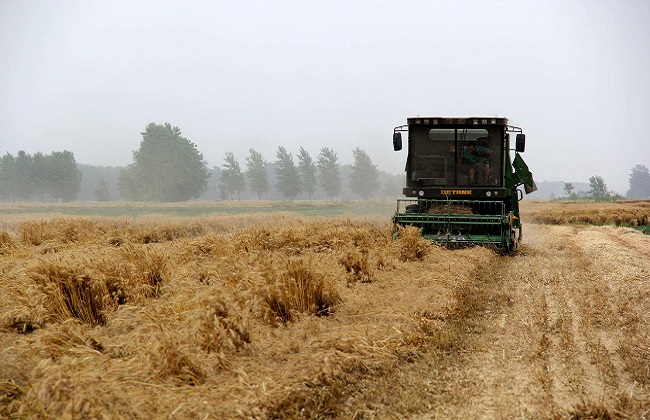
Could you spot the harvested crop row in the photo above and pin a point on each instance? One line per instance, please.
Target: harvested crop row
(624, 213)
(240, 318)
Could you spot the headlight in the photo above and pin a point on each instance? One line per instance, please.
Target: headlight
(421, 193)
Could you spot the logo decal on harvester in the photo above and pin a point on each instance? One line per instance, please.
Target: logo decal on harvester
(456, 192)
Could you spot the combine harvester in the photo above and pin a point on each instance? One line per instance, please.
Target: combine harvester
(461, 180)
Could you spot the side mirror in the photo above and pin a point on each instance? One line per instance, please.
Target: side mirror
(520, 144)
(397, 141)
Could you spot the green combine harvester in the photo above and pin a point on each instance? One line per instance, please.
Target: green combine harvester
(461, 180)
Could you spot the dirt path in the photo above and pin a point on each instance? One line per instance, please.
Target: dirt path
(561, 331)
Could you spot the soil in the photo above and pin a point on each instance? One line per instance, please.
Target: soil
(564, 332)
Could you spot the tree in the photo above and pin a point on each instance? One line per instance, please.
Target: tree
(639, 182)
(41, 177)
(127, 184)
(307, 169)
(598, 189)
(258, 178)
(101, 191)
(166, 167)
(391, 188)
(223, 193)
(8, 177)
(364, 178)
(329, 173)
(568, 188)
(64, 178)
(91, 177)
(287, 174)
(232, 179)
(24, 175)
(56, 175)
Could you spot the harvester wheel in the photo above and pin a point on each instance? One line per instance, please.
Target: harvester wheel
(512, 242)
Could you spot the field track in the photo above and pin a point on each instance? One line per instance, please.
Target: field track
(201, 318)
(562, 331)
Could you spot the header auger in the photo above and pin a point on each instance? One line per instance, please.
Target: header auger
(461, 181)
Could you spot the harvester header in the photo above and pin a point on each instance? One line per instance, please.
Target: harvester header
(461, 179)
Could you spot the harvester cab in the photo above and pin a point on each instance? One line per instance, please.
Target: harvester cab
(461, 180)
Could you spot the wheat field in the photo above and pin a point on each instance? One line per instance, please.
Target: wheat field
(282, 315)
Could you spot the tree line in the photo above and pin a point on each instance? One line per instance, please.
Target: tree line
(305, 174)
(168, 167)
(53, 177)
(639, 187)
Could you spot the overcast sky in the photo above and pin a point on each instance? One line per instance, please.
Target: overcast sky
(88, 76)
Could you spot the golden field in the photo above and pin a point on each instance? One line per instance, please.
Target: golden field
(626, 213)
(283, 315)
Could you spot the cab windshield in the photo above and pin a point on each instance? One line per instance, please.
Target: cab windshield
(455, 156)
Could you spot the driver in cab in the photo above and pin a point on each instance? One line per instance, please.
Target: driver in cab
(477, 157)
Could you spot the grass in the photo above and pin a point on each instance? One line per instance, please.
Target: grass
(198, 209)
(645, 229)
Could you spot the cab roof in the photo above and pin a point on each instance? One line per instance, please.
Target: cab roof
(457, 121)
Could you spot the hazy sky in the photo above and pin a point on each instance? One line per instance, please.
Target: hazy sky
(88, 76)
